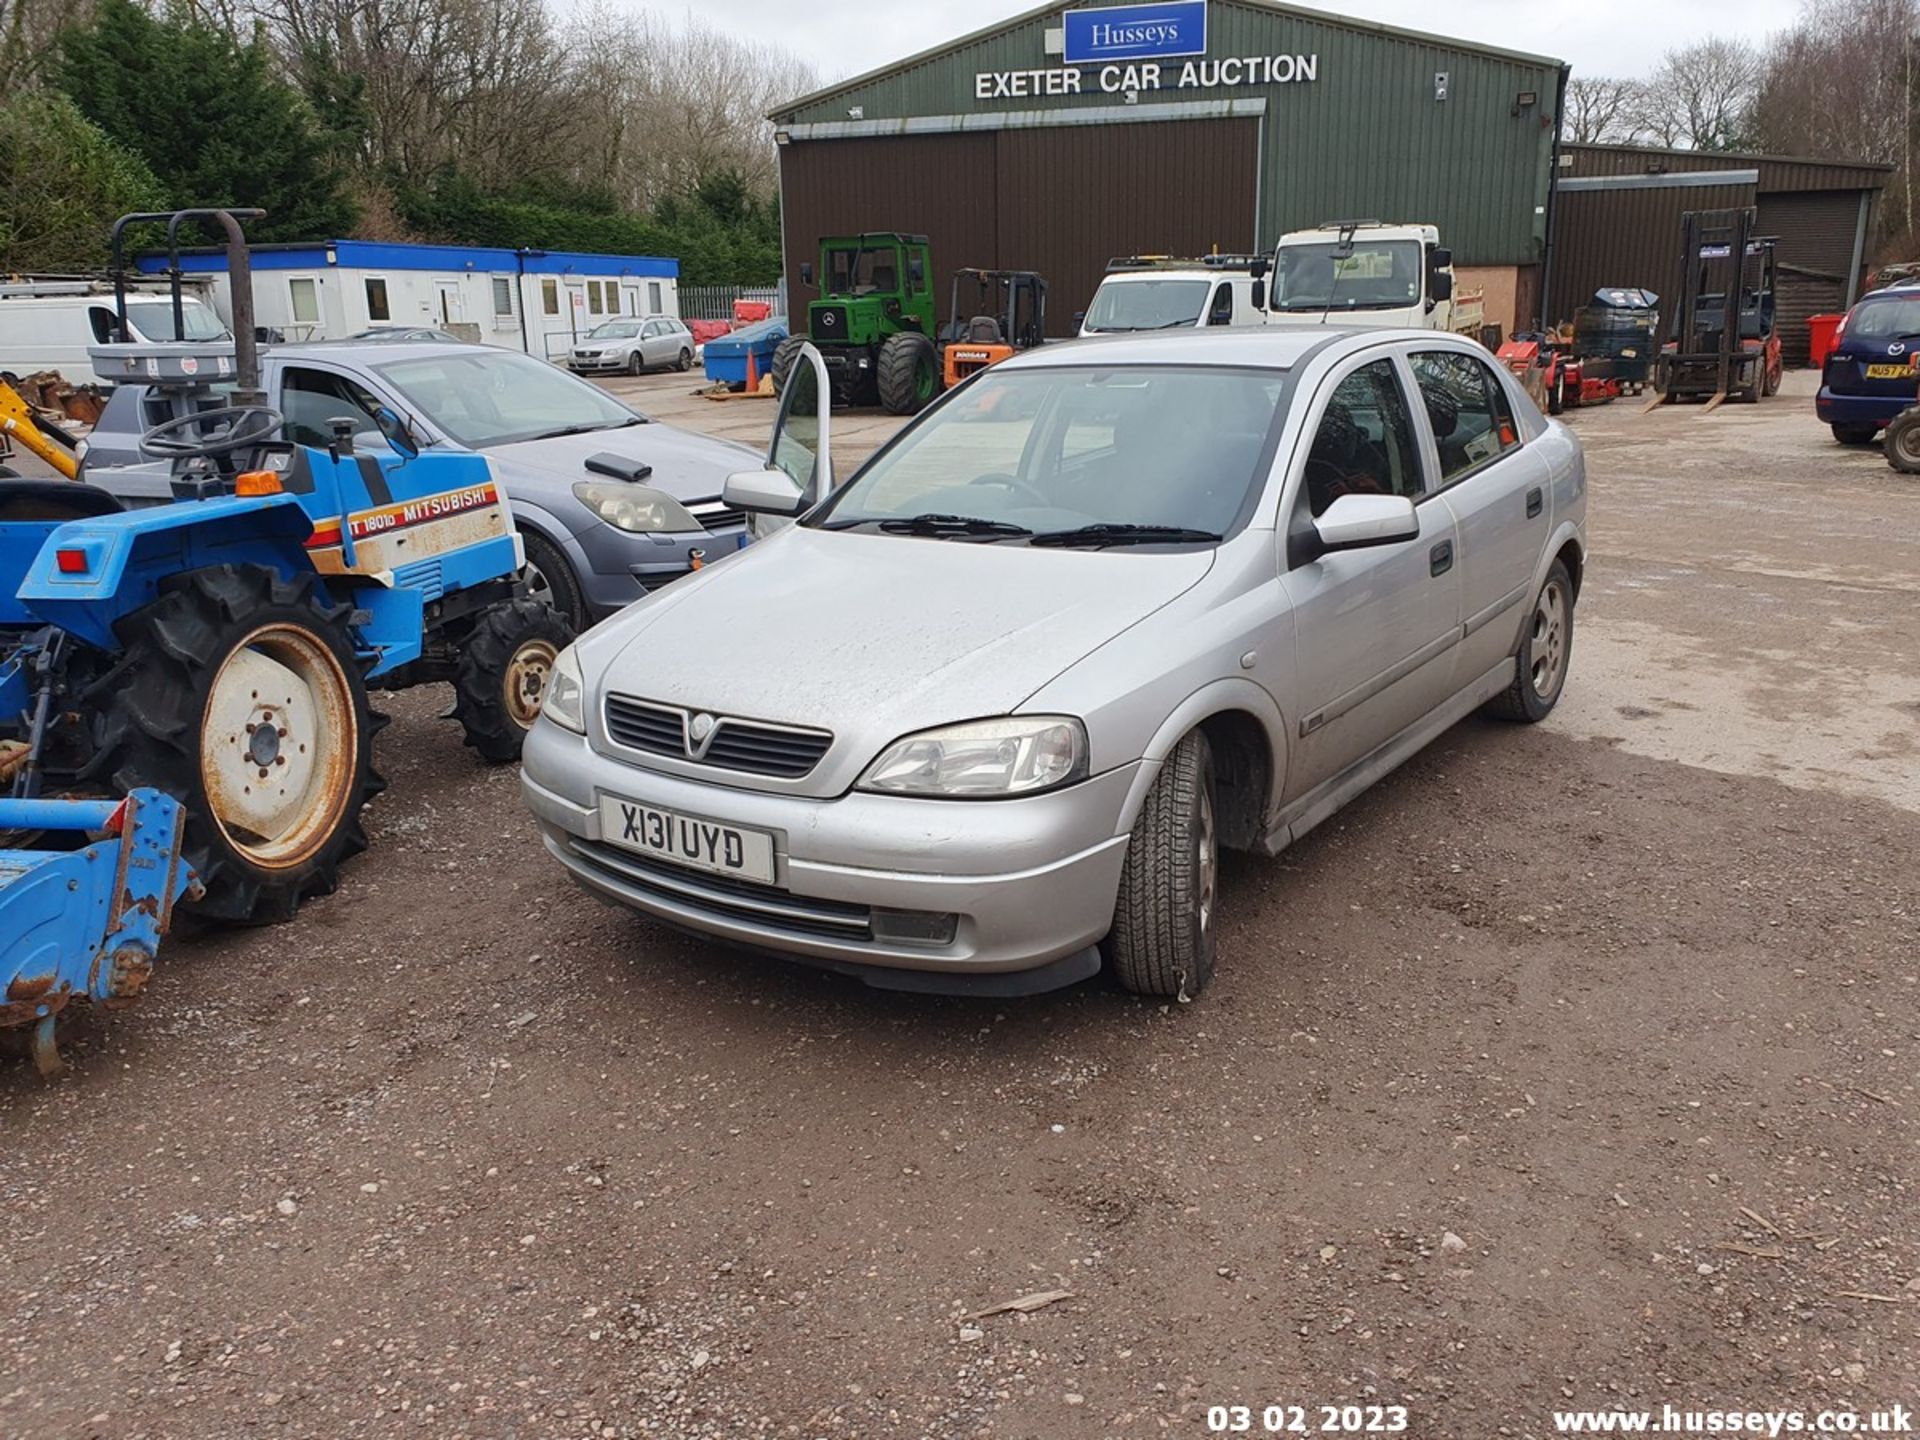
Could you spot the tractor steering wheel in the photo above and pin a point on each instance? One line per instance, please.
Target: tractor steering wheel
(240, 426)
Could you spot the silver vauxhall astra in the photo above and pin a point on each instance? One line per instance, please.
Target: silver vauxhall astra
(984, 714)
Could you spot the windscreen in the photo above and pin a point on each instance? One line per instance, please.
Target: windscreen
(1891, 318)
(1056, 448)
(1120, 305)
(154, 319)
(491, 397)
(1384, 275)
(614, 330)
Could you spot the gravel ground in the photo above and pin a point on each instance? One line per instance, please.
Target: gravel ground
(1573, 1066)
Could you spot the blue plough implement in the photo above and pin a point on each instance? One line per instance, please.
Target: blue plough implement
(84, 924)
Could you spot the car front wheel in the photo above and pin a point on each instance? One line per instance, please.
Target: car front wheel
(1162, 941)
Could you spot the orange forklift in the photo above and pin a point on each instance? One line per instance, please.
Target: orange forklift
(1006, 313)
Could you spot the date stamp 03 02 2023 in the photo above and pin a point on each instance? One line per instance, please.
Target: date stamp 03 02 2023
(1307, 1419)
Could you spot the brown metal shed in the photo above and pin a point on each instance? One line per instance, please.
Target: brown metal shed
(1617, 212)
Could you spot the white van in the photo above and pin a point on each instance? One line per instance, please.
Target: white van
(51, 331)
(1157, 292)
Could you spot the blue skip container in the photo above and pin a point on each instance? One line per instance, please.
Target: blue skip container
(726, 355)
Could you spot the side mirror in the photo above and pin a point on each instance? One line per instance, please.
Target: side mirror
(1079, 319)
(806, 272)
(1259, 296)
(1439, 258)
(1356, 522)
(399, 432)
(1440, 286)
(763, 492)
(1258, 270)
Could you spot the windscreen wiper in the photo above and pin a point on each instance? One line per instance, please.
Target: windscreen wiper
(1118, 534)
(939, 524)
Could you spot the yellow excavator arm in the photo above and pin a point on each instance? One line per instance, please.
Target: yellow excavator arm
(19, 423)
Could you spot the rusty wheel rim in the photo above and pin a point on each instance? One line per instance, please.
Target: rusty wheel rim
(278, 746)
(524, 687)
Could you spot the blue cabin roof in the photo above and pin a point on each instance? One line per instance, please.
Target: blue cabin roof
(382, 255)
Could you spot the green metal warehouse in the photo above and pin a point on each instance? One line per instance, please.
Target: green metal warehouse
(1022, 146)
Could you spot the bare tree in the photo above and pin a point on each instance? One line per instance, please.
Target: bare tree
(1602, 110)
(1840, 83)
(1702, 97)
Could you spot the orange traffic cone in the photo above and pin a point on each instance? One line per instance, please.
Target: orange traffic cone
(753, 373)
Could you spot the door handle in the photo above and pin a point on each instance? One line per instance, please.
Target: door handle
(1535, 502)
(1440, 558)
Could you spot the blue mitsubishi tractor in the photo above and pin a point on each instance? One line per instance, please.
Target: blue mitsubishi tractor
(211, 658)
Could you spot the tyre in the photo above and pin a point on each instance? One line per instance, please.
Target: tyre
(1855, 434)
(784, 355)
(550, 580)
(1544, 654)
(908, 373)
(685, 362)
(239, 694)
(636, 363)
(1162, 941)
(502, 675)
(1903, 441)
(1557, 396)
(1770, 386)
(7, 472)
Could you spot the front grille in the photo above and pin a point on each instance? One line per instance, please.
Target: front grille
(714, 515)
(725, 898)
(830, 322)
(753, 747)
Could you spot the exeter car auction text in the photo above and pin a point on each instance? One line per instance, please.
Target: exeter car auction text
(1120, 79)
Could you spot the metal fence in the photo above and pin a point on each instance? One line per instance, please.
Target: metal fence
(715, 302)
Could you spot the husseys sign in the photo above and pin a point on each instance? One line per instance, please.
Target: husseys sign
(1126, 49)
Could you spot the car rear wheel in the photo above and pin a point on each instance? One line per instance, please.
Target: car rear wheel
(1162, 941)
(1544, 654)
(686, 360)
(1855, 434)
(1903, 442)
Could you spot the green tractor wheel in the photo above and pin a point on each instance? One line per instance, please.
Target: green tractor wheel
(909, 373)
(784, 355)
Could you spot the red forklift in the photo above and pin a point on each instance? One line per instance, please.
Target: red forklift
(1725, 344)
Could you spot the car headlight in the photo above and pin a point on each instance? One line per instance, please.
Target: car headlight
(566, 698)
(1020, 755)
(638, 509)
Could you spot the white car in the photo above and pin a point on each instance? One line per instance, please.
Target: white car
(1156, 294)
(655, 342)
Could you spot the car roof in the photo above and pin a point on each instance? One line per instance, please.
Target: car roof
(1278, 347)
(370, 352)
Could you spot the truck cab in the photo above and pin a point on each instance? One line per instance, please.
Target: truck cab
(1363, 273)
(1161, 292)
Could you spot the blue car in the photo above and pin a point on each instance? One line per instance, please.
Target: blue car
(1871, 377)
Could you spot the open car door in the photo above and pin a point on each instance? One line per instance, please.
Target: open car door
(798, 473)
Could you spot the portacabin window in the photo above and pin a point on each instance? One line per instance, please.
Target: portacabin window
(653, 297)
(502, 296)
(549, 297)
(377, 305)
(303, 296)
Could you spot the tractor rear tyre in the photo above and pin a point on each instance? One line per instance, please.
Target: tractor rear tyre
(503, 672)
(909, 373)
(239, 694)
(1903, 441)
(1855, 434)
(784, 356)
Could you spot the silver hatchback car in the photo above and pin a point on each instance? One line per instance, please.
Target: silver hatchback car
(987, 713)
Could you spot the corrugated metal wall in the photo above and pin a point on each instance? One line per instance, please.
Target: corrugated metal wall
(1799, 295)
(1365, 138)
(1815, 228)
(1060, 201)
(1777, 173)
(1627, 237)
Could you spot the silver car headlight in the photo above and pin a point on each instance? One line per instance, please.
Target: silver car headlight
(1020, 755)
(566, 699)
(638, 509)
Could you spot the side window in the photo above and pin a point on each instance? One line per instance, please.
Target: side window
(1472, 421)
(312, 399)
(1222, 311)
(1364, 444)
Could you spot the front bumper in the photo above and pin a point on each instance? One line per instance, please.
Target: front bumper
(611, 365)
(1029, 882)
(617, 568)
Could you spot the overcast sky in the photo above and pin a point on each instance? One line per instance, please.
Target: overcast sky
(1599, 37)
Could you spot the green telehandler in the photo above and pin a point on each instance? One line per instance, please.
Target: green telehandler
(873, 323)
